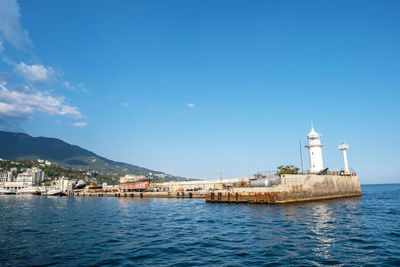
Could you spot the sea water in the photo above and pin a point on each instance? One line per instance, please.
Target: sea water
(92, 231)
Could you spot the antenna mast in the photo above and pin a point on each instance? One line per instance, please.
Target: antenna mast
(301, 158)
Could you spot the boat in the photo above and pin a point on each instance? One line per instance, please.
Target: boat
(55, 192)
(95, 186)
(132, 182)
(4, 191)
(37, 192)
(80, 185)
(28, 191)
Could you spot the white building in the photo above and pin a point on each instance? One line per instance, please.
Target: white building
(31, 176)
(6, 176)
(64, 184)
(199, 185)
(314, 146)
(14, 185)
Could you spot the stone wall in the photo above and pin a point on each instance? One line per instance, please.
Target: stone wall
(293, 188)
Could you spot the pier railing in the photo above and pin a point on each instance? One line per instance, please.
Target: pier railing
(339, 173)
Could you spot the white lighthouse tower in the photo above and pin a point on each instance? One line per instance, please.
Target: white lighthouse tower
(344, 147)
(314, 146)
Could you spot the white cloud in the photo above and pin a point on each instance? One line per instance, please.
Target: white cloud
(124, 104)
(22, 104)
(37, 75)
(190, 105)
(10, 26)
(80, 124)
(70, 86)
(67, 85)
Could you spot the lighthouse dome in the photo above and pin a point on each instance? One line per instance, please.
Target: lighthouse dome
(313, 134)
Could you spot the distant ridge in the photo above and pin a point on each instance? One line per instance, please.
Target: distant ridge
(20, 146)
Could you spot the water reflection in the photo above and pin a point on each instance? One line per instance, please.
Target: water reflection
(323, 229)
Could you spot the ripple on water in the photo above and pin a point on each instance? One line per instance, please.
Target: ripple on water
(176, 232)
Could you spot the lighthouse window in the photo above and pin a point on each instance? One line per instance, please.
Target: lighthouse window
(312, 153)
(313, 165)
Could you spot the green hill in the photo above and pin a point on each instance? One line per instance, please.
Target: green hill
(21, 146)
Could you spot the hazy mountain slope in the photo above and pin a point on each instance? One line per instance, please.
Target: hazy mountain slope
(18, 146)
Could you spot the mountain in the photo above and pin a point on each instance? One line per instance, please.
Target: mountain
(20, 146)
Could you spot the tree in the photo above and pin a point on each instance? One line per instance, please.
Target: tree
(288, 169)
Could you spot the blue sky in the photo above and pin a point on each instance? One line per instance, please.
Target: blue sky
(199, 88)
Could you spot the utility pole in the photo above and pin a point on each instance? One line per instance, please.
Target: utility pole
(301, 158)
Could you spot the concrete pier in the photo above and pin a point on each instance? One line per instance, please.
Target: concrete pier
(142, 194)
(293, 188)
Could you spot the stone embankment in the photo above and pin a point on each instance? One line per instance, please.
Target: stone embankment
(293, 188)
(142, 194)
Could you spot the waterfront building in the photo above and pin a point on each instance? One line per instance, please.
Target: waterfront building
(201, 185)
(25, 178)
(31, 176)
(110, 188)
(314, 146)
(64, 184)
(6, 176)
(14, 185)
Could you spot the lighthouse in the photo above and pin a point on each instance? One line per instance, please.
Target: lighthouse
(314, 146)
(344, 147)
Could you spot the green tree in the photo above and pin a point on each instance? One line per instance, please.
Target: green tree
(288, 169)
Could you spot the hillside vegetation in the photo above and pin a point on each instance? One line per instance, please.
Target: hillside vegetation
(21, 146)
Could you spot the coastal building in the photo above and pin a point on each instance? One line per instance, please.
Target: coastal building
(14, 185)
(6, 176)
(31, 176)
(314, 146)
(64, 184)
(44, 162)
(25, 178)
(161, 175)
(200, 185)
(110, 188)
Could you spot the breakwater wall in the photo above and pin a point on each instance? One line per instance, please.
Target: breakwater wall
(293, 188)
(141, 194)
